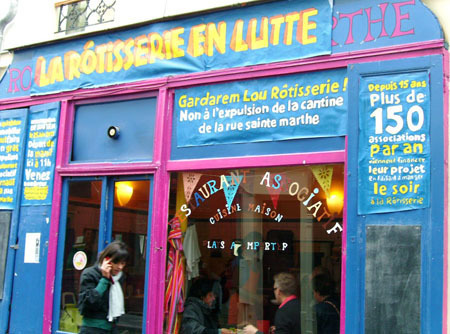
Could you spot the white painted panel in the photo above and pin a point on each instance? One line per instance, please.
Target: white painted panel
(36, 20)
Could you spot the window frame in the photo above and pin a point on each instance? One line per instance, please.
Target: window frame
(104, 235)
(282, 160)
(63, 25)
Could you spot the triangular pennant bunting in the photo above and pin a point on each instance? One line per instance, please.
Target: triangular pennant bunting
(278, 182)
(190, 180)
(230, 190)
(324, 175)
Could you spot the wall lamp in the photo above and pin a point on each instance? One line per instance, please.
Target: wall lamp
(335, 202)
(124, 191)
(113, 132)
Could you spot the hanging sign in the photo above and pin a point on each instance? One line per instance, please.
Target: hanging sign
(248, 35)
(370, 24)
(394, 143)
(11, 134)
(266, 33)
(270, 109)
(40, 155)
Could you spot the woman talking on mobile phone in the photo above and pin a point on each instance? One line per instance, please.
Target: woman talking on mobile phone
(101, 301)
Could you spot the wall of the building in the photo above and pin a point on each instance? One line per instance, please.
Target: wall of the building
(441, 8)
(27, 28)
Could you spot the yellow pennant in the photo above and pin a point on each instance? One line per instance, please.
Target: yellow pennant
(323, 175)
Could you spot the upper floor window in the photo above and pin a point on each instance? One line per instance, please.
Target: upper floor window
(74, 15)
(243, 243)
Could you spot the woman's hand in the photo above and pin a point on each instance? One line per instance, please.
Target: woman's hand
(106, 268)
(226, 331)
(250, 329)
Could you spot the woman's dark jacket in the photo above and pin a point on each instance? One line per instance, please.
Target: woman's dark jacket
(328, 318)
(198, 318)
(90, 303)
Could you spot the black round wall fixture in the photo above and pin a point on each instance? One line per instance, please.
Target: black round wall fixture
(113, 132)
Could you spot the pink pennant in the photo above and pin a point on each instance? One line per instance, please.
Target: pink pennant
(281, 186)
(190, 180)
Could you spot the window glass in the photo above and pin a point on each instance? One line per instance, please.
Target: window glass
(128, 223)
(83, 216)
(75, 15)
(5, 222)
(240, 228)
(130, 220)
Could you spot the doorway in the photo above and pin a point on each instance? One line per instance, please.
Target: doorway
(95, 212)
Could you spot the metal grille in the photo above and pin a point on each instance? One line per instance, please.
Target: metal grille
(75, 15)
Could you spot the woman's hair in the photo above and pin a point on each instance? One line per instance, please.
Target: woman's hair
(322, 284)
(286, 283)
(117, 251)
(201, 287)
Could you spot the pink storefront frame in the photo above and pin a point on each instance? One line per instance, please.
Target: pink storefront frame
(161, 166)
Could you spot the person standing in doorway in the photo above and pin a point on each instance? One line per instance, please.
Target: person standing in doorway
(287, 317)
(101, 300)
(327, 308)
(198, 317)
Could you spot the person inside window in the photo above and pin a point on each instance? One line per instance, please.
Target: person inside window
(327, 311)
(198, 317)
(101, 300)
(287, 317)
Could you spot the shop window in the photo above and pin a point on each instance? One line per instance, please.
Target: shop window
(74, 15)
(240, 228)
(5, 222)
(85, 234)
(114, 131)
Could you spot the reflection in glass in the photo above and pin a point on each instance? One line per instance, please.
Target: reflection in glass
(242, 227)
(83, 213)
(130, 221)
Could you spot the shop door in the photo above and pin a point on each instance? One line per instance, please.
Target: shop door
(12, 126)
(94, 213)
(29, 270)
(395, 248)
